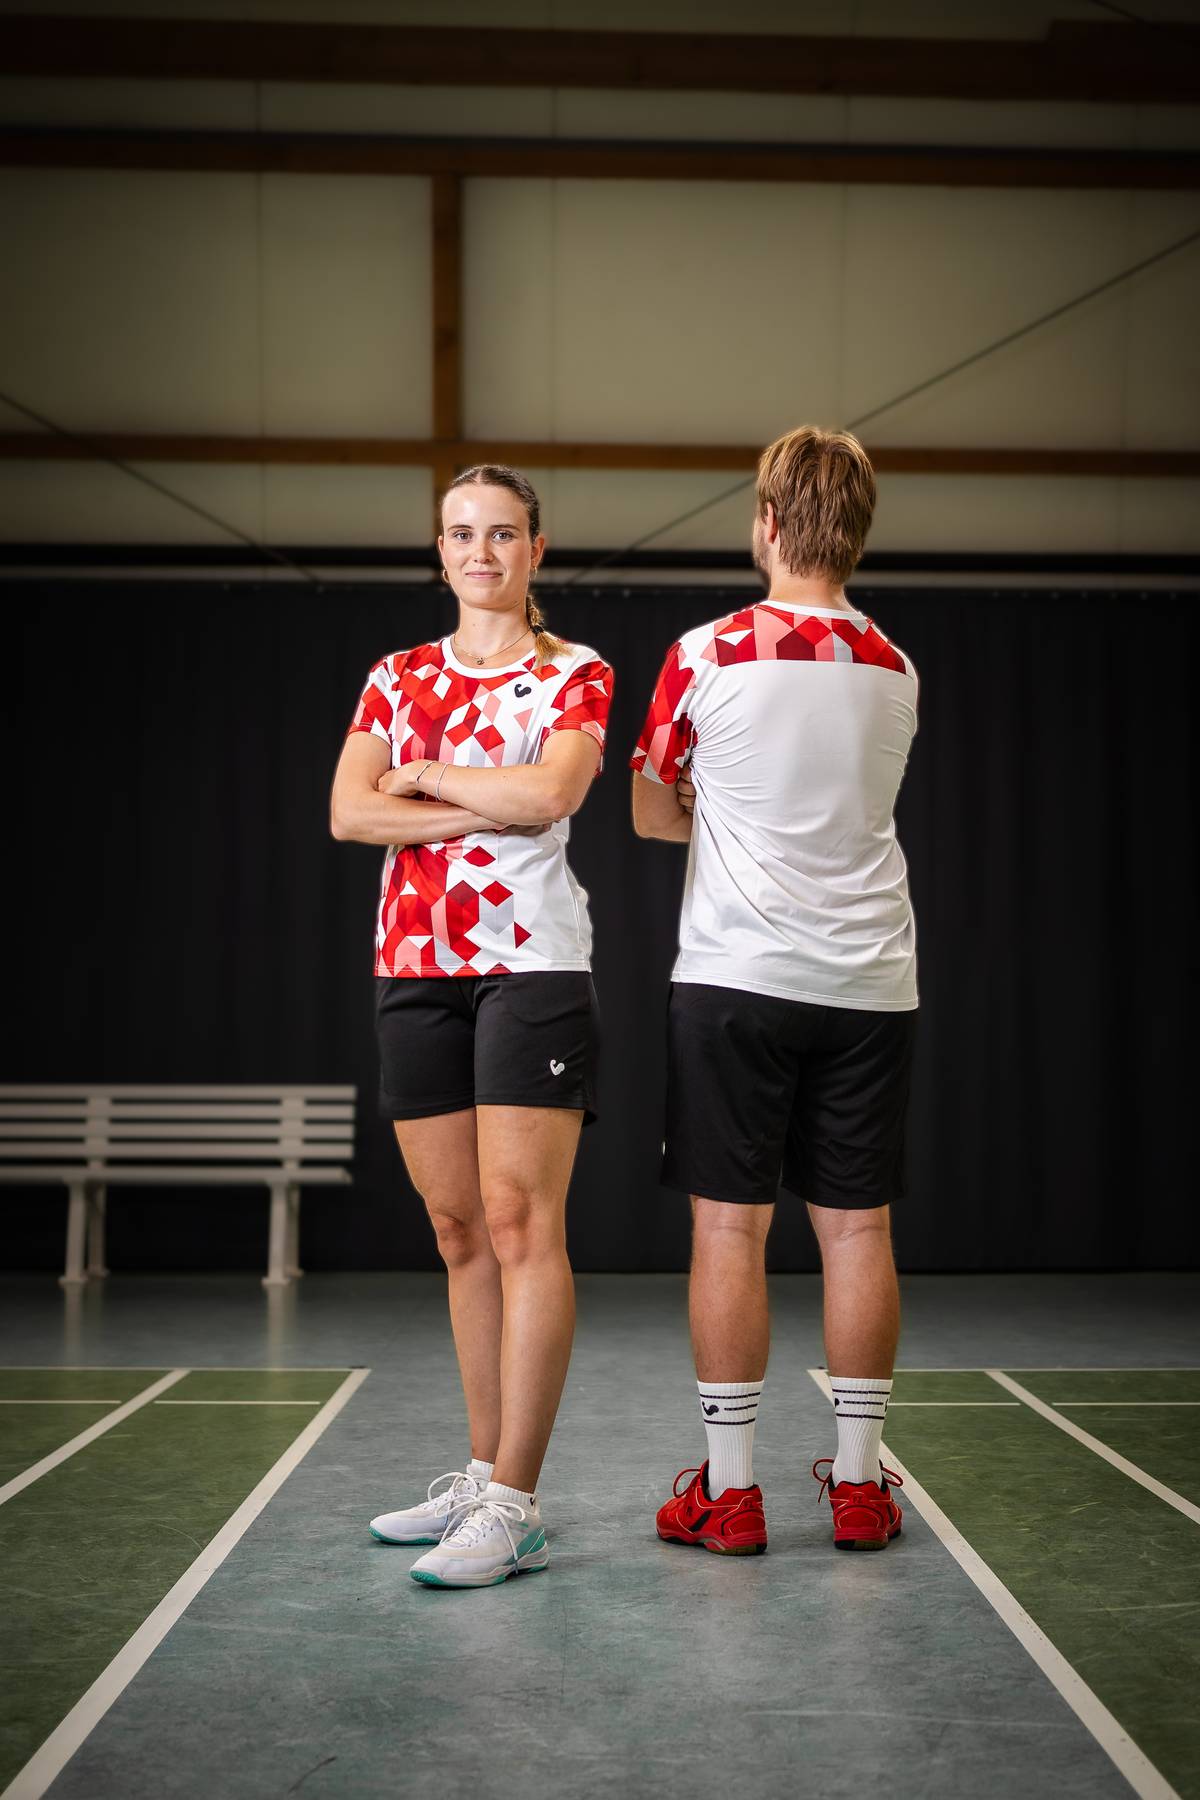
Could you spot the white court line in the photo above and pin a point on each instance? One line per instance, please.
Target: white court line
(208, 1369)
(1126, 1403)
(1088, 1708)
(89, 1436)
(892, 1403)
(48, 1762)
(285, 1402)
(111, 1401)
(1085, 1438)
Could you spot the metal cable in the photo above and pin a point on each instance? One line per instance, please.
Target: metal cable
(920, 387)
(95, 449)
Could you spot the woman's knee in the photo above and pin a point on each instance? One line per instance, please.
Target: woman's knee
(521, 1223)
(460, 1238)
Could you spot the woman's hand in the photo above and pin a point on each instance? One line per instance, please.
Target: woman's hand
(686, 791)
(402, 782)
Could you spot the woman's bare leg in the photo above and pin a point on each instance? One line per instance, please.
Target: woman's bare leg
(525, 1159)
(442, 1160)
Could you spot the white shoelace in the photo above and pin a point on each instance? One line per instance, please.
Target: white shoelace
(475, 1516)
(463, 1486)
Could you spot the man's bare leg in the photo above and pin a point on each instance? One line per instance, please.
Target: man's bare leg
(862, 1295)
(727, 1294)
(862, 1327)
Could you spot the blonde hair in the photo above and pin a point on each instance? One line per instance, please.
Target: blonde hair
(500, 475)
(822, 487)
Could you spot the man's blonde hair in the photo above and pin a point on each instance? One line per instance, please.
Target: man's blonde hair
(822, 487)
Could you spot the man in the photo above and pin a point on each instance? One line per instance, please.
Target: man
(793, 997)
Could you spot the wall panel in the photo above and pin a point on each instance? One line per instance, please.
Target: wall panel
(92, 503)
(509, 298)
(688, 312)
(370, 507)
(345, 306)
(129, 300)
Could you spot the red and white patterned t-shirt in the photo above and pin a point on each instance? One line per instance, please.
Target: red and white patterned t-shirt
(796, 724)
(485, 904)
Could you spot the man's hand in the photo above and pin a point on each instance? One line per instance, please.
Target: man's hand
(685, 788)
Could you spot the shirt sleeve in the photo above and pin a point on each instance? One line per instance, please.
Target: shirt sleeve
(582, 703)
(375, 711)
(668, 734)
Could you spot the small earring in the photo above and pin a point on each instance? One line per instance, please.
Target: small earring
(445, 575)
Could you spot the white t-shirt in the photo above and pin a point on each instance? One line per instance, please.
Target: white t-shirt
(485, 904)
(796, 723)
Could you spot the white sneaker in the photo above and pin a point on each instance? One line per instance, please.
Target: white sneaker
(426, 1522)
(490, 1540)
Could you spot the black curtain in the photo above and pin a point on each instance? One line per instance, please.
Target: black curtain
(176, 910)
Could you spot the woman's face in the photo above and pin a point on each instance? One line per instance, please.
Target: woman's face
(486, 547)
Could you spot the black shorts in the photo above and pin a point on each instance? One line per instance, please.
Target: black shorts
(453, 1041)
(760, 1089)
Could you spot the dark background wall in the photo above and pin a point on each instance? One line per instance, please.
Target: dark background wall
(176, 910)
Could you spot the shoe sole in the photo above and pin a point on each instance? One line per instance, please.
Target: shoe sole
(427, 1578)
(718, 1549)
(866, 1543)
(380, 1539)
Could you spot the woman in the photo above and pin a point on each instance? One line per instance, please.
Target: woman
(467, 757)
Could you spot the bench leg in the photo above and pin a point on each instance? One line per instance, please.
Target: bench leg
(277, 1275)
(291, 1254)
(97, 1208)
(74, 1275)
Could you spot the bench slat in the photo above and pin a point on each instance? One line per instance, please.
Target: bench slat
(84, 1090)
(153, 1109)
(216, 1176)
(113, 1131)
(49, 1109)
(276, 1152)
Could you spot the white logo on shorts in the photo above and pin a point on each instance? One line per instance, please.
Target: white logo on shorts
(556, 1068)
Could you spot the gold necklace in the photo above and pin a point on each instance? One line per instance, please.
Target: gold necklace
(480, 660)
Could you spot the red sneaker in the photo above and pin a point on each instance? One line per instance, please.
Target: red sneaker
(734, 1525)
(865, 1517)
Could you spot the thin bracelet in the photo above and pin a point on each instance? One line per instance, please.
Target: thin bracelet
(424, 766)
(437, 792)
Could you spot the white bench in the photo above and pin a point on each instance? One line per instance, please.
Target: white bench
(93, 1138)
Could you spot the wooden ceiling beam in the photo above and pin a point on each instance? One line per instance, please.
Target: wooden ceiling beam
(533, 454)
(1104, 61)
(296, 153)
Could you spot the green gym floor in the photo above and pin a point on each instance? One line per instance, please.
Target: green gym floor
(192, 1604)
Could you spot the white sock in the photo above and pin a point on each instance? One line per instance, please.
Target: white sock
(859, 1407)
(482, 1471)
(496, 1490)
(729, 1409)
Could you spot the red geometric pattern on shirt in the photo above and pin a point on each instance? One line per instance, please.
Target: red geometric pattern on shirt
(761, 633)
(765, 633)
(583, 703)
(417, 701)
(668, 733)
